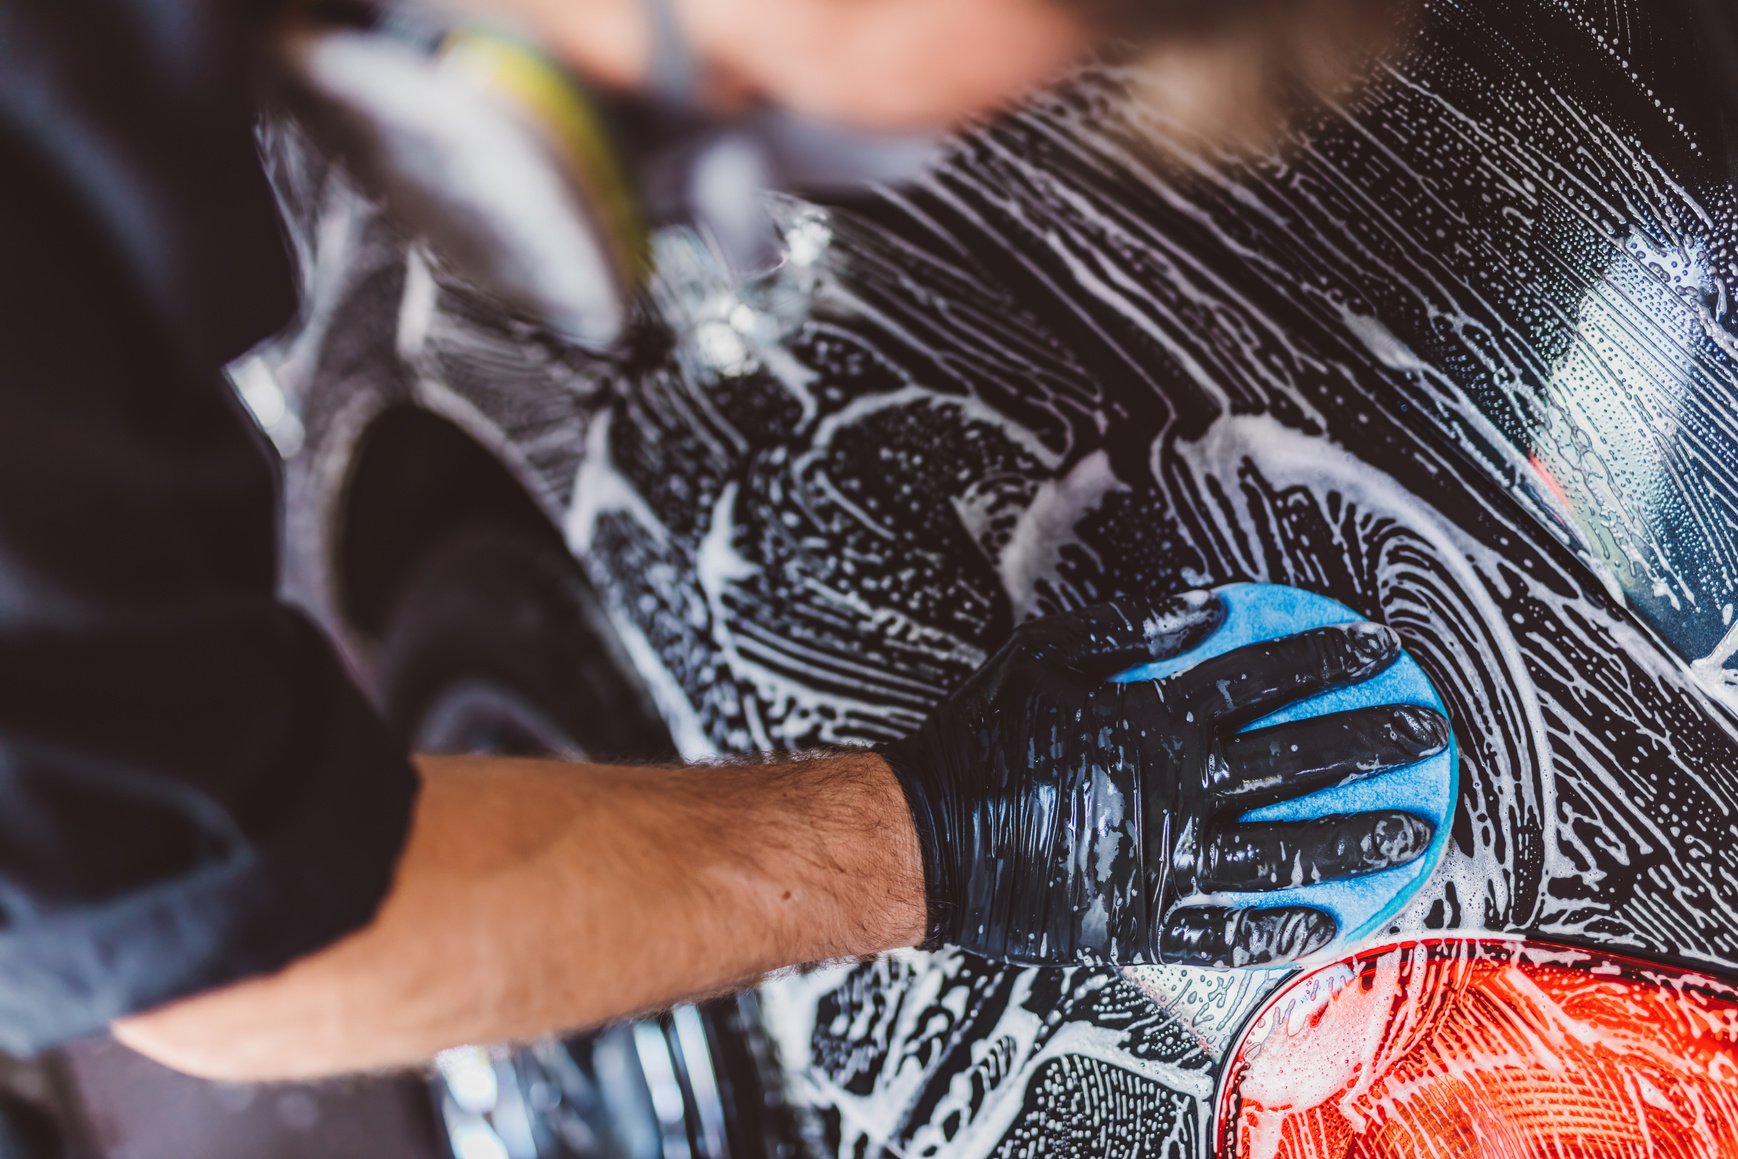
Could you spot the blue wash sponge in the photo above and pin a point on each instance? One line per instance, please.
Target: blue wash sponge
(1426, 788)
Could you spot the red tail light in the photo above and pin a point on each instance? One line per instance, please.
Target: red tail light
(1487, 1050)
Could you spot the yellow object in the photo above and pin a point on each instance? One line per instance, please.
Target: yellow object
(521, 75)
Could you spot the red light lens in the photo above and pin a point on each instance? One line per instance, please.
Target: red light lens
(1487, 1050)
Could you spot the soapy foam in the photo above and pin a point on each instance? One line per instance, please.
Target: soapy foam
(1056, 372)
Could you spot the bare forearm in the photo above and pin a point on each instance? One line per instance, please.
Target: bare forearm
(535, 896)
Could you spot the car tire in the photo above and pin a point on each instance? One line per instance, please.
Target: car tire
(498, 619)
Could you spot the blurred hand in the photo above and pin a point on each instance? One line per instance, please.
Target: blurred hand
(884, 64)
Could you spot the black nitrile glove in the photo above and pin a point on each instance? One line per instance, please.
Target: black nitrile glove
(1067, 819)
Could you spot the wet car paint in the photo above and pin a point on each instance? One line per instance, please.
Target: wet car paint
(1461, 358)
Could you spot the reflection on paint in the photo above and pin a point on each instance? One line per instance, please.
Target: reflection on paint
(1619, 436)
(1489, 1049)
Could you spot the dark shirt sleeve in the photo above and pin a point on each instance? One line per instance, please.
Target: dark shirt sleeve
(191, 789)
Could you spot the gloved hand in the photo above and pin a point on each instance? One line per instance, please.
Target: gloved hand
(1066, 819)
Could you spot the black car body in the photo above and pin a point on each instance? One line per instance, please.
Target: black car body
(1463, 356)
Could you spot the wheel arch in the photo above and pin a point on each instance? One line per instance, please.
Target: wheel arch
(414, 478)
